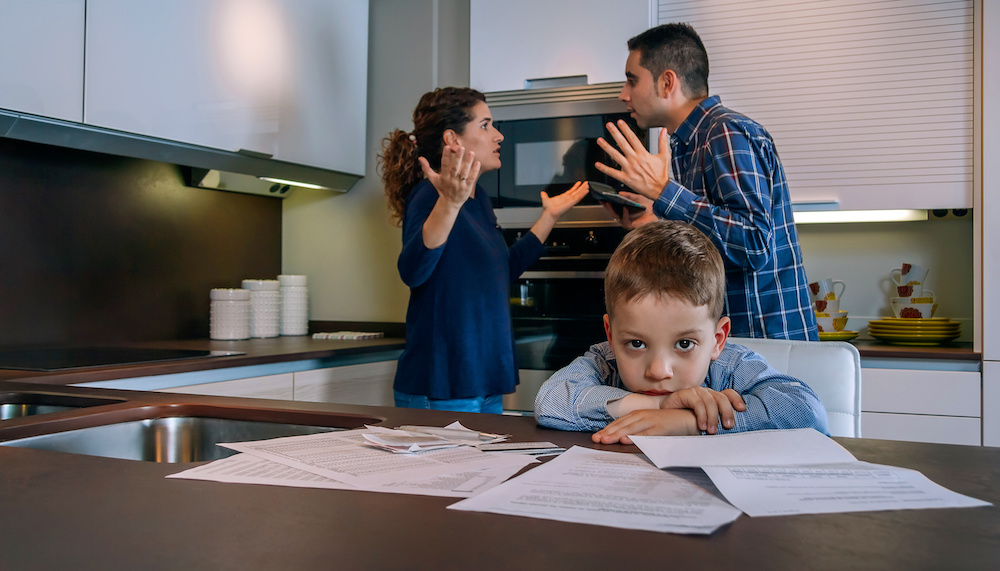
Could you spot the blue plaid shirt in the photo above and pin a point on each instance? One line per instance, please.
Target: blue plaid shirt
(728, 182)
(576, 397)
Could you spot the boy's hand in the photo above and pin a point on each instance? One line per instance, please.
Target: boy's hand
(708, 406)
(647, 422)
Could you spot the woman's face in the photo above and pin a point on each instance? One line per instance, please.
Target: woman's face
(482, 138)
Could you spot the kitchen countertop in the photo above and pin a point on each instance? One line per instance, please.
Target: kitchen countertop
(953, 351)
(285, 349)
(256, 352)
(67, 510)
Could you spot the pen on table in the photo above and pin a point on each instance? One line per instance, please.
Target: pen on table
(453, 432)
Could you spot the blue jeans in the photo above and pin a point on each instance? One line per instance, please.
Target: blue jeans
(492, 404)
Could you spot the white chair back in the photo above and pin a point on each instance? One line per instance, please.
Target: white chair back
(831, 368)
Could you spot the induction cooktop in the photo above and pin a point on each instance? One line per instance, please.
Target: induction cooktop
(63, 358)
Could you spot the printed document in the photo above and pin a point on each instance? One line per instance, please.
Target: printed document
(344, 456)
(831, 488)
(249, 469)
(756, 448)
(606, 488)
(801, 471)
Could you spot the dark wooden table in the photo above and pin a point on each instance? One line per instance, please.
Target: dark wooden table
(67, 511)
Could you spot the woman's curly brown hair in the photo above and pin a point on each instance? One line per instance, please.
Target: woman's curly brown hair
(438, 111)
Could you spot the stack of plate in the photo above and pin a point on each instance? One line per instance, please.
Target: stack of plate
(911, 331)
(837, 335)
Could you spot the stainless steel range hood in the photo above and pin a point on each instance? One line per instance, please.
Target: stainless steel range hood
(239, 172)
(567, 101)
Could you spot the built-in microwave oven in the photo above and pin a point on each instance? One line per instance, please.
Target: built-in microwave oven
(550, 141)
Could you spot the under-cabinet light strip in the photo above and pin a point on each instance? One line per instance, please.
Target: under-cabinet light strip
(839, 216)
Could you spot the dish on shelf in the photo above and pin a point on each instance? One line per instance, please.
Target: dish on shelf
(903, 325)
(923, 339)
(914, 329)
(837, 335)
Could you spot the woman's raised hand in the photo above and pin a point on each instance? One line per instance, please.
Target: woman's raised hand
(558, 205)
(459, 172)
(555, 206)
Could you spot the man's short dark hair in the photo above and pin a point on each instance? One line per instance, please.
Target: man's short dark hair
(676, 47)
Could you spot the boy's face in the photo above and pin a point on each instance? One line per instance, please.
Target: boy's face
(664, 344)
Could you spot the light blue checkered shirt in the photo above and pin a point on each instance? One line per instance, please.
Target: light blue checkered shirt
(576, 397)
(729, 183)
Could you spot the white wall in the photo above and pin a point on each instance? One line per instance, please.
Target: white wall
(346, 243)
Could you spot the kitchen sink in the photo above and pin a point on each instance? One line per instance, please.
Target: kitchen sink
(21, 404)
(180, 437)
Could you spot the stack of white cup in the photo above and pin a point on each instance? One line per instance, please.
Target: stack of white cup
(265, 307)
(294, 305)
(229, 314)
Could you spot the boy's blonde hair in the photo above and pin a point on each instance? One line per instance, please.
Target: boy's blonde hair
(666, 257)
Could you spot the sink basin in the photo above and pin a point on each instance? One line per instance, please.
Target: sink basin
(176, 437)
(21, 404)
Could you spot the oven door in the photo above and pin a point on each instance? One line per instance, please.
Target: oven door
(557, 316)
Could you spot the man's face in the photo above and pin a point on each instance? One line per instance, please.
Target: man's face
(641, 94)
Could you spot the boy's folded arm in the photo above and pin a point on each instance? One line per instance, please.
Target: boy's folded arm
(647, 422)
(576, 396)
(632, 402)
(786, 404)
(773, 399)
(587, 411)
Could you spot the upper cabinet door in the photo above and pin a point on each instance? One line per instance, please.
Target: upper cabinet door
(41, 57)
(284, 78)
(175, 70)
(324, 100)
(518, 40)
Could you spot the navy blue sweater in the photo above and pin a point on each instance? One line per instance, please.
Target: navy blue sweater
(459, 341)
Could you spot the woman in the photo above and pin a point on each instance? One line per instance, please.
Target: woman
(459, 344)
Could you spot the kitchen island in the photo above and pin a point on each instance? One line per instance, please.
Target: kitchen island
(84, 512)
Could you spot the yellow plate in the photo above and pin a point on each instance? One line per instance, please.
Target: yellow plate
(915, 339)
(913, 328)
(837, 335)
(916, 319)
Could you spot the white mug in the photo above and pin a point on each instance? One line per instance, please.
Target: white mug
(827, 289)
(827, 306)
(908, 274)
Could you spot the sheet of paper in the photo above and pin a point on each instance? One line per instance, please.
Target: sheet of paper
(606, 488)
(343, 456)
(249, 469)
(831, 488)
(757, 448)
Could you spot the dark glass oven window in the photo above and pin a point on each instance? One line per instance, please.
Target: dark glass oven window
(550, 155)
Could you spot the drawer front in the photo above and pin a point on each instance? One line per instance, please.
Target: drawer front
(949, 393)
(921, 428)
(367, 384)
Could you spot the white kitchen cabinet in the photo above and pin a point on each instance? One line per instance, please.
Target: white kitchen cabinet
(41, 57)
(799, 69)
(366, 383)
(991, 400)
(922, 405)
(278, 386)
(518, 40)
(282, 78)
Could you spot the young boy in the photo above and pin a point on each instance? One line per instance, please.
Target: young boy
(666, 368)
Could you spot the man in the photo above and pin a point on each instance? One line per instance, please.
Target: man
(727, 181)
